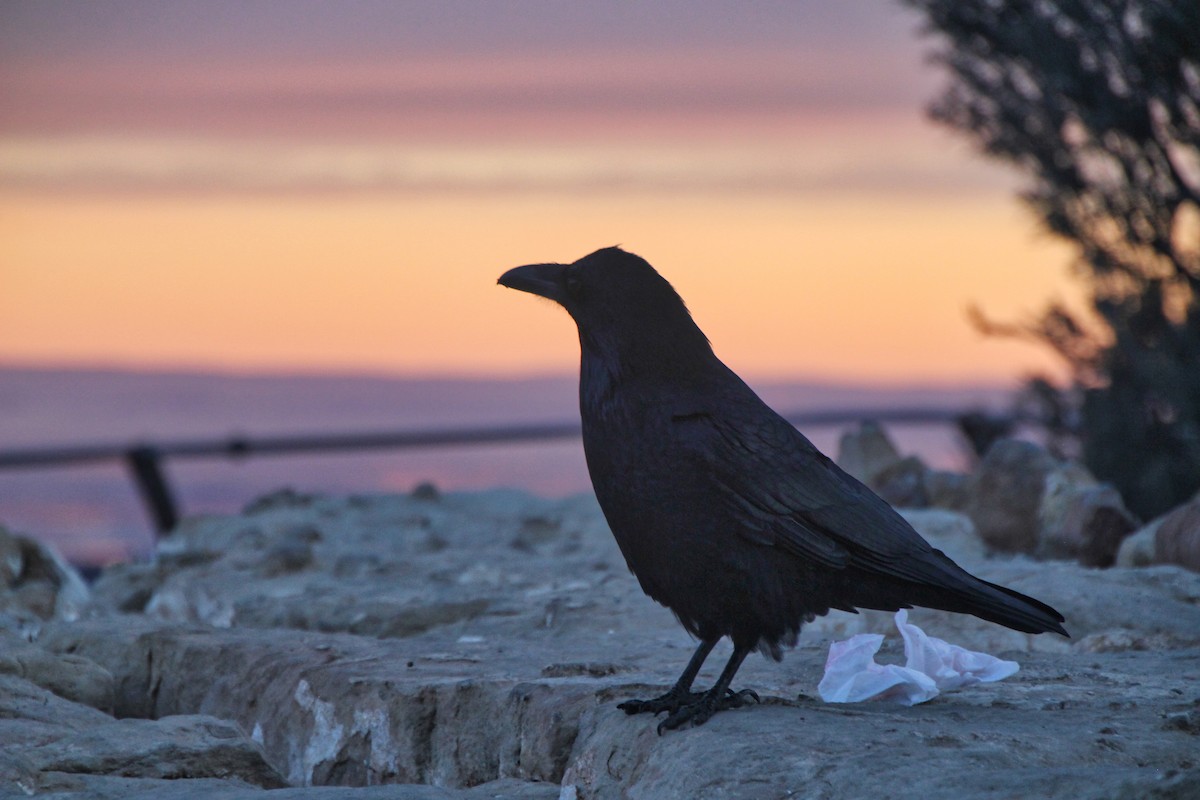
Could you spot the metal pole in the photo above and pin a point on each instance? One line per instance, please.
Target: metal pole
(144, 463)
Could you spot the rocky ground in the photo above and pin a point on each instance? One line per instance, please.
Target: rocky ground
(476, 645)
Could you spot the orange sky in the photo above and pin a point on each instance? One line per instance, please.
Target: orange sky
(849, 287)
(214, 201)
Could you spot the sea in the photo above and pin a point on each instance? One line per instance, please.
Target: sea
(93, 515)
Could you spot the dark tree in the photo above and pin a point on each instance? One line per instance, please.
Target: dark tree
(1097, 102)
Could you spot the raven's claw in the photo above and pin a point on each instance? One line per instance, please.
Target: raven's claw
(674, 701)
(701, 711)
(670, 702)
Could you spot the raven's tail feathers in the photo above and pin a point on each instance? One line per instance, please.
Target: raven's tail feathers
(989, 601)
(1014, 610)
(940, 583)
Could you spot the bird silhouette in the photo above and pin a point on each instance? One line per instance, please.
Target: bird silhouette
(724, 512)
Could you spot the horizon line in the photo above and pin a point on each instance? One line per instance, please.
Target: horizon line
(326, 372)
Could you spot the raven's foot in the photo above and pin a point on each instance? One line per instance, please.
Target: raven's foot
(670, 702)
(701, 710)
(683, 706)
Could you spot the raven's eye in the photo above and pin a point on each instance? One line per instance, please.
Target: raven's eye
(574, 285)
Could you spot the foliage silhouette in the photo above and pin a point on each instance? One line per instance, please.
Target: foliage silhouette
(1097, 102)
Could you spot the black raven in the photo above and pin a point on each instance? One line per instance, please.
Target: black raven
(725, 512)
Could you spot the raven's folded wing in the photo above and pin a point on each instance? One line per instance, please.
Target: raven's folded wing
(790, 495)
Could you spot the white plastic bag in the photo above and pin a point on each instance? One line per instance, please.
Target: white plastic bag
(931, 666)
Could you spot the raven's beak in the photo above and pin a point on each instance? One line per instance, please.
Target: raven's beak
(540, 279)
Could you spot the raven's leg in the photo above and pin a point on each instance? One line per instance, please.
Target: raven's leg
(718, 698)
(681, 693)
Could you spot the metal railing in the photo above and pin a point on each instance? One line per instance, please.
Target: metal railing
(144, 460)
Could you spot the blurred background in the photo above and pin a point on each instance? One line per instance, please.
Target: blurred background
(289, 216)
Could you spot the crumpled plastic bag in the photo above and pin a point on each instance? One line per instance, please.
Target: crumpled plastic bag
(932, 666)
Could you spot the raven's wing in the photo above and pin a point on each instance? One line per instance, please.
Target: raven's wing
(783, 492)
(788, 494)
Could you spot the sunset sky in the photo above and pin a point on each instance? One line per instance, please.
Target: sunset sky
(307, 186)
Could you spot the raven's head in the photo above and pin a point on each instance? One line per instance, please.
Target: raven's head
(623, 307)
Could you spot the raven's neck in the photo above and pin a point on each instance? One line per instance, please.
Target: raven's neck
(662, 363)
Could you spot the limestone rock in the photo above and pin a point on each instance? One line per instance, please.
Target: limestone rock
(188, 746)
(1081, 520)
(903, 484)
(1137, 549)
(1005, 493)
(127, 587)
(1173, 538)
(949, 531)
(88, 786)
(333, 709)
(1023, 500)
(35, 580)
(390, 568)
(69, 676)
(866, 452)
(107, 787)
(43, 713)
(831, 751)
(947, 489)
(43, 733)
(1177, 539)
(346, 710)
(464, 644)
(18, 777)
